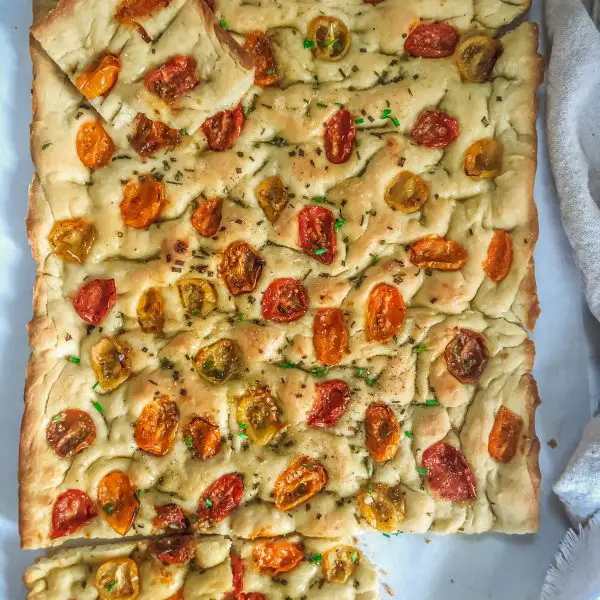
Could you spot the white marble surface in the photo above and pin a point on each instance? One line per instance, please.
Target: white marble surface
(567, 368)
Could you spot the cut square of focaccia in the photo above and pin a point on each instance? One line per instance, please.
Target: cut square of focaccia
(184, 567)
(169, 60)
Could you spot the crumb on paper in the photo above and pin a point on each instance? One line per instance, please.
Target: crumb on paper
(388, 589)
(552, 443)
(427, 540)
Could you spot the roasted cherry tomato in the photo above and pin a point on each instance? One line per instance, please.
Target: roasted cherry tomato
(170, 516)
(237, 572)
(303, 479)
(95, 299)
(340, 133)
(385, 313)
(316, 233)
(150, 311)
(258, 415)
(483, 159)
(70, 431)
(285, 300)
(203, 437)
(241, 267)
(151, 136)
(224, 128)
(477, 56)
(272, 197)
(260, 46)
(143, 201)
(330, 336)
(198, 296)
(466, 356)
(277, 556)
(173, 550)
(340, 562)
(94, 146)
(449, 475)
(117, 579)
(330, 38)
(331, 403)
(178, 595)
(219, 362)
(111, 363)
(206, 219)
(382, 506)
(407, 193)
(173, 79)
(505, 434)
(157, 426)
(434, 129)
(382, 432)
(129, 12)
(72, 510)
(434, 252)
(99, 80)
(220, 498)
(499, 257)
(117, 501)
(432, 40)
(71, 239)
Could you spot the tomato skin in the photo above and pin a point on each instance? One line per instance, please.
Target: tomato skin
(157, 426)
(449, 474)
(224, 128)
(173, 550)
(330, 336)
(241, 267)
(260, 46)
(95, 299)
(129, 11)
(382, 432)
(385, 313)
(206, 219)
(117, 501)
(70, 431)
(332, 402)
(499, 257)
(173, 79)
(224, 495)
(94, 146)
(434, 129)
(276, 557)
(284, 301)
(340, 133)
(203, 437)
(143, 201)
(72, 509)
(434, 252)
(504, 436)
(433, 40)
(170, 516)
(99, 80)
(304, 478)
(466, 356)
(151, 136)
(316, 232)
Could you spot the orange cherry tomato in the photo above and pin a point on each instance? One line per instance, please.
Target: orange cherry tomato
(449, 475)
(260, 46)
(70, 431)
(241, 267)
(150, 311)
(206, 219)
(117, 579)
(340, 133)
(129, 12)
(157, 426)
(220, 498)
(170, 516)
(203, 437)
(483, 159)
(143, 201)
(284, 301)
(385, 313)
(272, 197)
(434, 252)
(332, 401)
(94, 146)
(330, 336)
(100, 79)
(466, 356)
(117, 501)
(432, 40)
(275, 557)
(477, 56)
(224, 128)
(173, 79)
(434, 129)
(407, 193)
(151, 136)
(72, 510)
(499, 257)
(382, 432)
(72, 239)
(95, 299)
(316, 233)
(175, 550)
(303, 479)
(505, 435)
(382, 506)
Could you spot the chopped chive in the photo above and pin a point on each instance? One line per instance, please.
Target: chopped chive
(339, 224)
(408, 434)
(386, 113)
(74, 359)
(188, 441)
(422, 471)
(354, 557)
(308, 43)
(244, 436)
(329, 42)
(98, 407)
(109, 508)
(138, 493)
(370, 381)
(287, 365)
(359, 372)
(209, 502)
(269, 71)
(359, 121)
(111, 586)
(432, 402)
(387, 535)
(320, 251)
(319, 199)
(375, 259)
(56, 418)
(242, 425)
(241, 317)
(339, 104)
(395, 122)
(369, 490)
(395, 338)
(223, 23)
(321, 105)
(319, 371)
(46, 145)
(96, 385)
(183, 131)
(420, 348)
(315, 558)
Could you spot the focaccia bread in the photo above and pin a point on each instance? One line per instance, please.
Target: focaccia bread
(206, 568)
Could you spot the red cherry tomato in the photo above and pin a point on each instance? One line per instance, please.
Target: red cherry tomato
(173, 550)
(223, 129)
(432, 40)
(449, 474)
(173, 79)
(170, 516)
(331, 403)
(95, 299)
(435, 129)
(72, 509)
(316, 233)
(340, 133)
(285, 300)
(220, 498)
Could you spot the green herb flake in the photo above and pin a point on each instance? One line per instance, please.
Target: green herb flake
(420, 348)
(395, 338)
(244, 436)
(370, 381)
(319, 199)
(319, 371)
(183, 131)
(96, 385)
(408, 434)
(359, 121)
(138, 493)
(387, 535)
(46, 146)
(223, 23)
(369, 490)
(320, 251)
(56, 418)
(308, 43)
(432, 402)
(354, 557)
(374, 260)
(386, 114)
(208, 502)
(109, 508)
(422, 471)
(321, 105)
(188, 441)
(269, 71)
(395, 122)
(74, 359)
(360, 372)
(111, 586)
(288, 365)
(98, 407)
(315, 558)
(339, 224)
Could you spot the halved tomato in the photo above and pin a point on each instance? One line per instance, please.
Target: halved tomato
(271, 196)
(259, 415)
(72, 509)
(150, 311)
(385, 313)
(407, 193)
(173, 79)
(117, 501)
(477, 56)
(303, 479)
(99, 79)
(284, 301)
(170, 516)
(316, 233)
(72, 239)
(434, 129)
(331, 403)
(504, 437)
(198, 296)
(466, 356)
(175, 550)
(224, 128)
(382, 506)
(382, 432)
(117, 579)
(157, 425)
(276, 556)
(111, 363)
(203, 437)
(259, 44)
(94, 146)
(434, 252)
(432, 40)
(340, 133)
(218, 362)
(70, 431)
(143, 201)
(330, 336)
(449, 474)
(95, 299)
(340, 562)
(240, 267)
(220, 498)
(151, 136)
(499, 257)
(206, 219)
(330, 38)
(483, 159)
